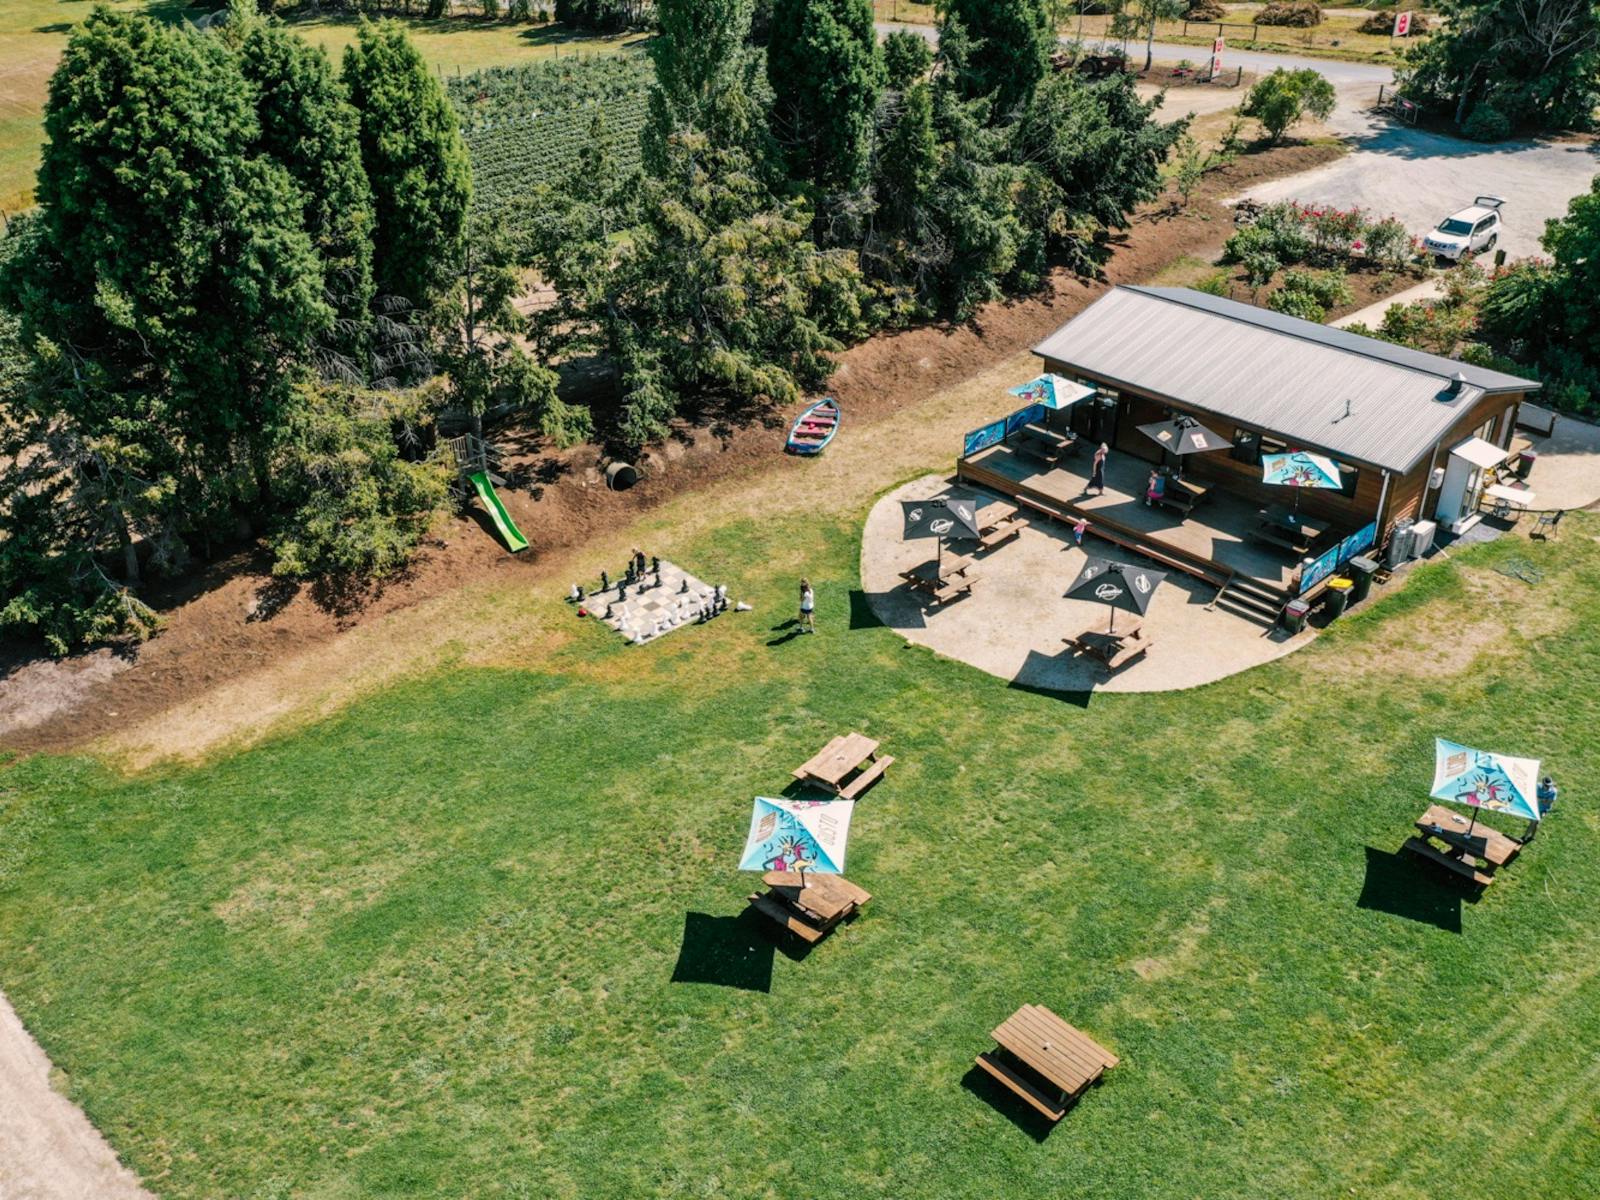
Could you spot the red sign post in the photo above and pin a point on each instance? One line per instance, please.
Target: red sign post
(1402, 24)
(1216, 58)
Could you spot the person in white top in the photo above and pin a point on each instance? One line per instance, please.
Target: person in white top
(808, 604)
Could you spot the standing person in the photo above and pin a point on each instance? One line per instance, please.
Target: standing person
(1547, 794)
(1097, 477)
(808, 605)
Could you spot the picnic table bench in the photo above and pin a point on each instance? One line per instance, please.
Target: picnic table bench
(957, 578)
(1465, 843)
(806, 904)
(1112, 650)
(1044, 1060)
(1039, 441)
(847, 766)
(1274, 535)
(1001, 521)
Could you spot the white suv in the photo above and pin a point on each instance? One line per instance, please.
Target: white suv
(1471, 231)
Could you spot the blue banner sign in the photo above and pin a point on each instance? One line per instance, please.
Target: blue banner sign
(997, 431)
(981, 439)
(1325, 565)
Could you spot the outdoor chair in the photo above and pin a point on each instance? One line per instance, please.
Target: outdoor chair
(1547, 524)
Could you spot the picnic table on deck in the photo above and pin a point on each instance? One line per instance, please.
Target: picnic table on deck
(1462, 849)
(1112, 650)
(1045, 1055)
(998, 522)
(958, 576)
(808, 905)
(1179, 494)
(846, 766)
(1287, 528)
(1045, 443)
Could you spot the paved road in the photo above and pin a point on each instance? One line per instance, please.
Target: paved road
(1393, 169)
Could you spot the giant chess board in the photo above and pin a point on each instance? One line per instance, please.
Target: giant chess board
(642, 612)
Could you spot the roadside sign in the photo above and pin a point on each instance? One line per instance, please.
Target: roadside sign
(1216, 58)
(1402, 24)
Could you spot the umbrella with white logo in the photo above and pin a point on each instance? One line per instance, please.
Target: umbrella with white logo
(1185, 435)
(952, 516)
(1116, 585)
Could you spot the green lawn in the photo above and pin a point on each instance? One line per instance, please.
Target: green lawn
(478, 935)
(34, 32)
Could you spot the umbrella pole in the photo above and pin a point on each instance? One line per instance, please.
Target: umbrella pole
(938, 562)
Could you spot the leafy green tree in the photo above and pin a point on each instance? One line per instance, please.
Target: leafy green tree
(352, 504)
(168, 276)
(415, 162)
(826, 73)
(1091, 153)
(308, 125)
(906, 58)
(1545, 312)
(707, 79)
(907, 165)
(1010, 53)
(1499, 64)
(1285, 97)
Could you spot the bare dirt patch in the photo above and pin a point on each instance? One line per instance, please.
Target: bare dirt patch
(238, 652)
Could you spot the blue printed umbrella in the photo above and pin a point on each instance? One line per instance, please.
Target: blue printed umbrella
(1300, 469)
(1053, 391)
(797, 835)
(1480, 779)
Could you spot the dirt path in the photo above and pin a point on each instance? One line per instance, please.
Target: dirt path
(48, 1149)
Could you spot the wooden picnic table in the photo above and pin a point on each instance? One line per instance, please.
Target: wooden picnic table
(1047, 1062)
(1482, 842)
(1112, 650)
(1045, 443)
(998, 522)
(846, 766)
(1293, 521)
(808, 906)
(960, 572)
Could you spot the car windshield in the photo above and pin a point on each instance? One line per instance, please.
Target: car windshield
(1455, 225)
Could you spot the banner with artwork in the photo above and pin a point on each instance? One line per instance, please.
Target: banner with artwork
(1497, 782)
(991, 434)
(1326, 564)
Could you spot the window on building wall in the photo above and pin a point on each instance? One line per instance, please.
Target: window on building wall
(1350, 477)
(1246, 447)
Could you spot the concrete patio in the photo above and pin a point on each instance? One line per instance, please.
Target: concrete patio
(1013, 623)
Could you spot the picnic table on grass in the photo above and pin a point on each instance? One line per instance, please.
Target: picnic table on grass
(1000, 521)
(808, 905)
(959, 574)
(1112, 650)
(1473, 854)
(1044, 1060)
(847, 766)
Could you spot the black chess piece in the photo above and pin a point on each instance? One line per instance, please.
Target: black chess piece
(582, 595)
(655, 565)
(622, 590)
(605, 582)
(684, 589)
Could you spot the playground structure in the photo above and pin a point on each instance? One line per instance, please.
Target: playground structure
(476, 460)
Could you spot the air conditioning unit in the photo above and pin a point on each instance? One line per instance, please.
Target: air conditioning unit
(1422, 535)
(1399, 544)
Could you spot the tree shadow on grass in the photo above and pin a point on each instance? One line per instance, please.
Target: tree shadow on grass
(1005, 1102)
(732, 952)
(1402, 885)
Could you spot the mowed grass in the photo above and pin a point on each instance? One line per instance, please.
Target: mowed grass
(33, 34)
(480, 934)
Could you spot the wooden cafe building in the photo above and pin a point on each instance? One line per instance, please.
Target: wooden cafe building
(1416, 439)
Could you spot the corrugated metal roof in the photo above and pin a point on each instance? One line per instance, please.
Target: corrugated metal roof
(1320, 388)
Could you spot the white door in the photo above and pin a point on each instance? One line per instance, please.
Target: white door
(1457, 498)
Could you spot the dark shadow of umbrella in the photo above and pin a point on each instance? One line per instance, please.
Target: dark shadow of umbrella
(1402, 885)
(729, 952)
(1007, 1103)
(861, 614)
(1035, 666)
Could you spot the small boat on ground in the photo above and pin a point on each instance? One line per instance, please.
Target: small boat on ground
(815, 428)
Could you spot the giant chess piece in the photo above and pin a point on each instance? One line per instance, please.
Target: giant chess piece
(605, 582)
(683, 589)
(622, 590)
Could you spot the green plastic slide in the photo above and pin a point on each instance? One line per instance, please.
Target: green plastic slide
(502, 519)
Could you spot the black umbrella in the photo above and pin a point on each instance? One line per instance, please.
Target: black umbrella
(1116, 585)
(952, 516)
(1185, 435)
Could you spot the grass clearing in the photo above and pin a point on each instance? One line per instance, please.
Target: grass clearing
(429, 944)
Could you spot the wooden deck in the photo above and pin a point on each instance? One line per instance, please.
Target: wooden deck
(1212, 543)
